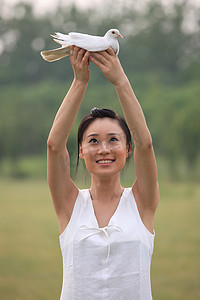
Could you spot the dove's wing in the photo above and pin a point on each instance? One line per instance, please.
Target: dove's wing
(93, 44)
(85, 41)
(56, 54)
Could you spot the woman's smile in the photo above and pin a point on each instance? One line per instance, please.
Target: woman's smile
(105, 162)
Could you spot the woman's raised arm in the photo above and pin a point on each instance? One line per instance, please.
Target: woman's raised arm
(63, 190)
(145, 187)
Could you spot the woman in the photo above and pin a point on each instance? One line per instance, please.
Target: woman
(106, 232)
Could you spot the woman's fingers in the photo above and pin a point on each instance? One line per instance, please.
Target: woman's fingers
(108, 53)
(95, 61)
(86, 57)
(104, 56)
(98, 56)
(80, 54)
(71, 49)
(80, 60)
(76, 51)
(111, 51)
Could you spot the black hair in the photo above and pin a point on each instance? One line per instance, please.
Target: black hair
(100, 113)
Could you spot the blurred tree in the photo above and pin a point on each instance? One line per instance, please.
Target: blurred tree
(154, 39)
(187, 127)
(160, 54)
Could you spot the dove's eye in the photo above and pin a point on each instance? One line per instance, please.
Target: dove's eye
(113, 32)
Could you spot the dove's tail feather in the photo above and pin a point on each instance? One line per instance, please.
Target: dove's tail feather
(56, 54)
(61, 37)
(59, 42)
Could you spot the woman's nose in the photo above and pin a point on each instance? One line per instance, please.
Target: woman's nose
(104, 148)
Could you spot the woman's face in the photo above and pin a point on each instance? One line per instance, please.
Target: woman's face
(104, 147)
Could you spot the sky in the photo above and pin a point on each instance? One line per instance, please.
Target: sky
(46, 5)
(43, 6)
(50, 4)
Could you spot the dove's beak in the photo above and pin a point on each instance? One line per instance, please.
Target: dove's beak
(120, 36)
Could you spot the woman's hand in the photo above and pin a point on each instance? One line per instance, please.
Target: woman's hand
(109, 64)
(80, 63)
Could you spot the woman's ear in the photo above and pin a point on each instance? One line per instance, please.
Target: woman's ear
(129, 151)
(80, 152)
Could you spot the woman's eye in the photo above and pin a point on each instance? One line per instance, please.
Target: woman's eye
(113, 139)
(93, 141)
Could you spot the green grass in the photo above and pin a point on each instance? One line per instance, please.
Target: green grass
(175, 264)
(30, 259)
(29, 252)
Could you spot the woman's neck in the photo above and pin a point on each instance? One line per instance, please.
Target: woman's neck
(106, 189)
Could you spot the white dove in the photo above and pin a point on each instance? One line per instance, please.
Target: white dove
(88, 42)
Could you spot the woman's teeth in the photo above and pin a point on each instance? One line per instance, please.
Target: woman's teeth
(106, 161)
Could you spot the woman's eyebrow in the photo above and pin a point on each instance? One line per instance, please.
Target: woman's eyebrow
(109, 134)
(113, 133)
(93, 134)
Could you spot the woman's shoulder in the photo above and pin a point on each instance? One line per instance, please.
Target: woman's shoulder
(82, 198)
(79, 204)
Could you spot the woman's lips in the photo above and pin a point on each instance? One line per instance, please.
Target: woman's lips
(105, 161)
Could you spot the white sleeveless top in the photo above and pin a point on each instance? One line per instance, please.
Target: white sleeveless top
(109, 263)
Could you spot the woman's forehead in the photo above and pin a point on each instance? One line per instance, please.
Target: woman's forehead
(105, 126)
